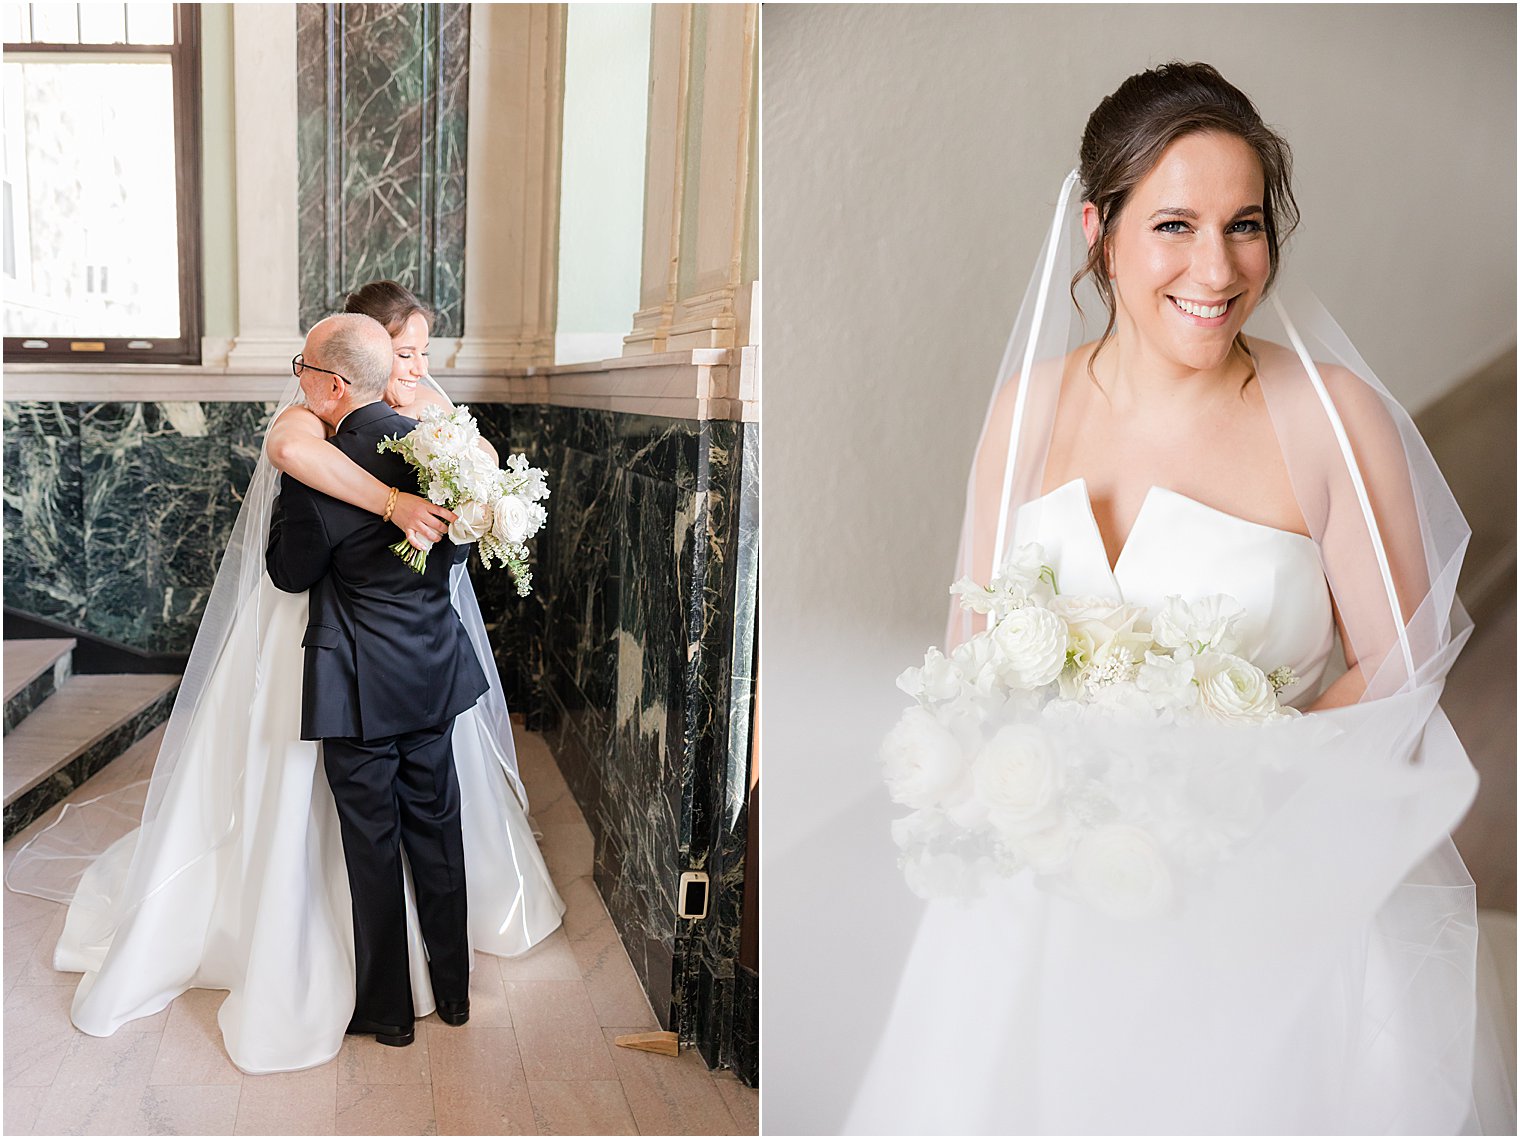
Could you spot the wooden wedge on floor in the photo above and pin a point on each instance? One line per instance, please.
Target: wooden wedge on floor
(665, 1043)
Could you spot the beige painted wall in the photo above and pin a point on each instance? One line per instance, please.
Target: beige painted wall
(911, 155)
(218, 173)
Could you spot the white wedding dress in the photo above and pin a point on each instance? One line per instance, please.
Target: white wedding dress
(252, 893)
(1327, 987)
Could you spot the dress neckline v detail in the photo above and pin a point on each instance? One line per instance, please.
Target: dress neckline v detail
(1151, 492)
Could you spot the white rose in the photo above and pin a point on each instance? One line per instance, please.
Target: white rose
(1232, 690)
(1205, 625)
(1015, 774)
(471, 521)
(511, 521)
(939, 679)
(1031, 647)
(1119, 870)
(924, 763)
(1091, 622)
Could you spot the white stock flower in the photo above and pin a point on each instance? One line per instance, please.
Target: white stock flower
(1206, 625)
(938, 679)
(1024, 570)
(1031, 647)
(472, 521)
(1015, 775)
(511, 520)
(1231, 689)
(924, 763)
(946, 875)
(1048, 851)
(1119, 870)
(919, 829)
(1168, 681)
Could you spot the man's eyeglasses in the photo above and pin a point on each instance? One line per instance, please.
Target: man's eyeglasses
(298, 365)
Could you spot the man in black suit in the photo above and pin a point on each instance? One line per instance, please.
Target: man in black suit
(388, 667)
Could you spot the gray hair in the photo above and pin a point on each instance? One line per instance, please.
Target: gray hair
(359, 348)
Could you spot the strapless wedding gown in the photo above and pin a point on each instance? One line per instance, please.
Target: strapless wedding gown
(254, 896)
(1331, 992)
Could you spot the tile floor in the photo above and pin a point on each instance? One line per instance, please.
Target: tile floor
(536, 1057)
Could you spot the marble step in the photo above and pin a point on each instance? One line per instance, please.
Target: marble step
(75, 733)
(34, 670)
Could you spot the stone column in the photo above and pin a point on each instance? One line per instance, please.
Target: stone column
(264, 94)
(517, 69)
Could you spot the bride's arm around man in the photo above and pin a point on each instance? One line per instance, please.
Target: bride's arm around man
(387, 668)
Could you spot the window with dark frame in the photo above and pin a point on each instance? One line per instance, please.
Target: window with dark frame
(101, 194)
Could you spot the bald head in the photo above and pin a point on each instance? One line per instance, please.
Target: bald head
(357, 348)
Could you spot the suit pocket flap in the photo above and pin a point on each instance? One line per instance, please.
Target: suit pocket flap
(322, 637)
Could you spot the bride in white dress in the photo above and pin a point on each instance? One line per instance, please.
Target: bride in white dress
(235, 879)
(1318, 975)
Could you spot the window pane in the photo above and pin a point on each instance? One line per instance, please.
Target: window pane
(90, 166)
(103, 23)
(150, 23)
(55, 23)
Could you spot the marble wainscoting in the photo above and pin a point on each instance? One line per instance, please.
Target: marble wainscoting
(634, 654)
(116, 514)
(635, 658)
(381, 95)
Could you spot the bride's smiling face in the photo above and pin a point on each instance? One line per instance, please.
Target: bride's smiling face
(1189, 253)
(409, 361)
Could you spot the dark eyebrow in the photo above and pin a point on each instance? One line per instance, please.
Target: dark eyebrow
(1179, 212)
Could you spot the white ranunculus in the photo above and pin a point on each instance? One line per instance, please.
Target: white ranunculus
(1234, 690)
(511, 521)
(1206, 625)
(1015, 774)
(1120, 871)
(471, 522)
(924, 763)
(937, 680)
(1031, 647)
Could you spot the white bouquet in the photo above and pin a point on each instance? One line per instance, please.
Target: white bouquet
(500, 509)
(1051, 742)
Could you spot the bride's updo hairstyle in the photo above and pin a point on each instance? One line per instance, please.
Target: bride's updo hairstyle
(389, 302)
(1127, 133)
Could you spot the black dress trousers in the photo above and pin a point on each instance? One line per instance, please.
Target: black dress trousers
(395, 792)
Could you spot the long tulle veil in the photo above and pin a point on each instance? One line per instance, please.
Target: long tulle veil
(1323, 978)
(52, 862)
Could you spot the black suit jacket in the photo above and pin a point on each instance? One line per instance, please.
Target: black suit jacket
(385, 651)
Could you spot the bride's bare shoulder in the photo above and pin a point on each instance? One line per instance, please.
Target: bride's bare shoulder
(1046, 375)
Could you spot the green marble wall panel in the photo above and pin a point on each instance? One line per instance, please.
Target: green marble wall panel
(634, 654)
(116, 513)
(382, 97)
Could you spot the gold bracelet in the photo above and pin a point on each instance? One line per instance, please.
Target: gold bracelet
(390, 505)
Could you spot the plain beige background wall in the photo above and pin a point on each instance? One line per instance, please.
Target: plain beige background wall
(912, 154)
(911, 158)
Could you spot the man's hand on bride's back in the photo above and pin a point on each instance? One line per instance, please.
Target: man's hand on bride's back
(421, 521)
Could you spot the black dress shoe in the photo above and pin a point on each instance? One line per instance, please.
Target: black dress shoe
(454, 1012)
(386, 1034)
